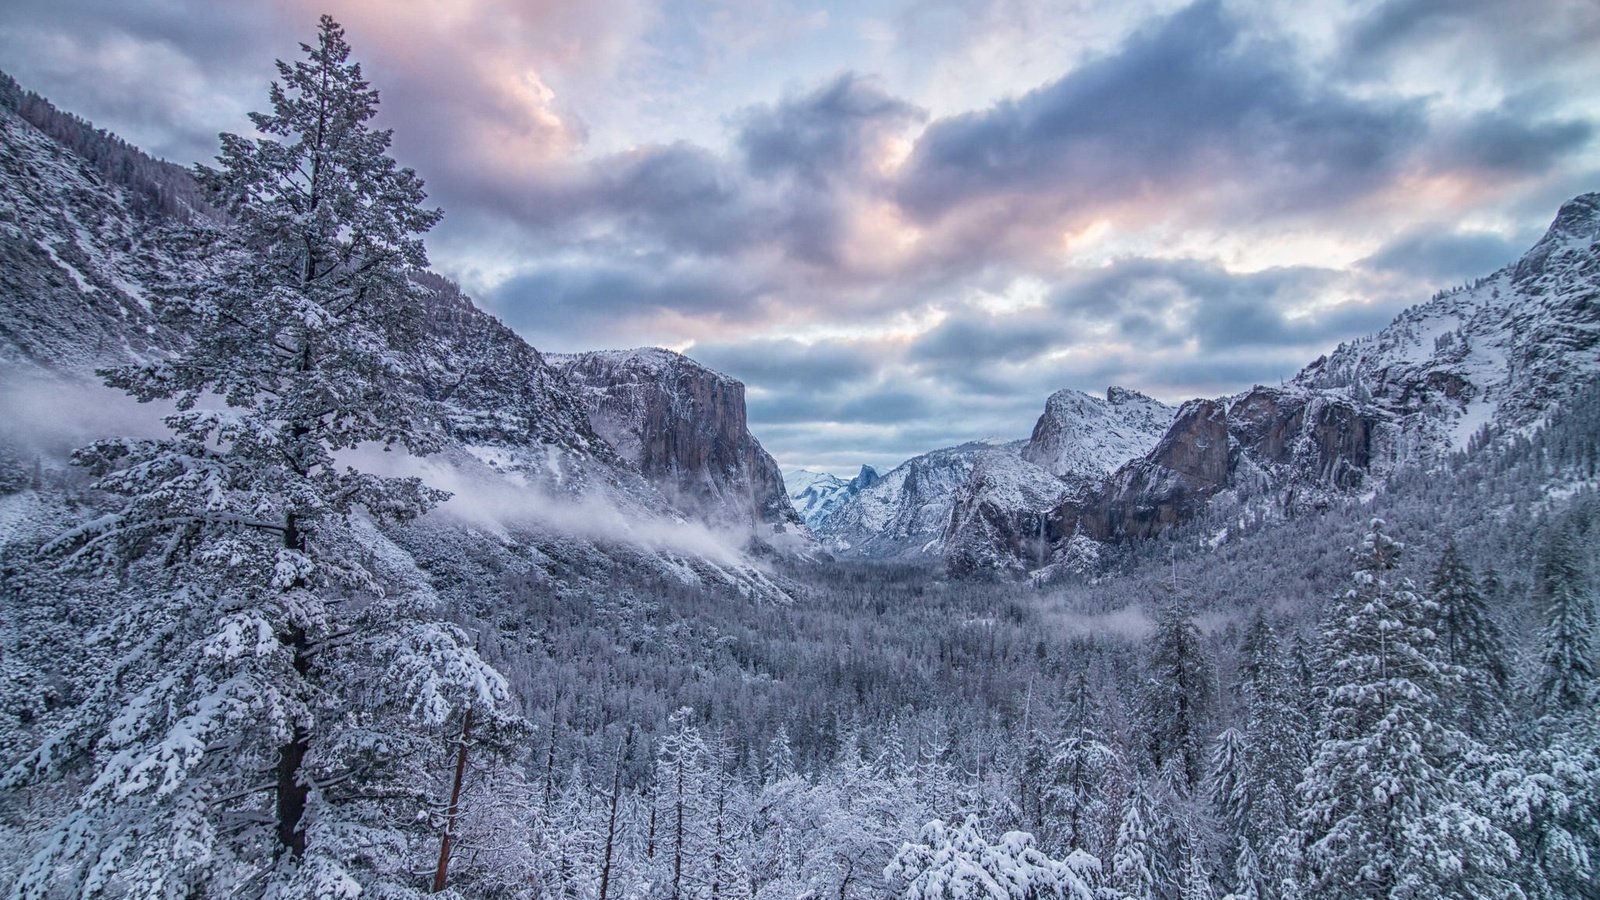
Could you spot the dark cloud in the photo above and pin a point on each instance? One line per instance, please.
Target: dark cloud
(1525, 34)
(1444, 256)
(791, 364)
(561, 303)
(1191, 97)
(973, 338)
(1169, 303)
(1513, 142)
(886, 407)
(828, 133)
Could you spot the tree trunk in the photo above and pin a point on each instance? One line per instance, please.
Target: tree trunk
(611, 818)
(293, 792)
(441, 874)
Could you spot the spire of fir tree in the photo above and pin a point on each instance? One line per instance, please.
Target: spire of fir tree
(1471, 640)
(1566, 682)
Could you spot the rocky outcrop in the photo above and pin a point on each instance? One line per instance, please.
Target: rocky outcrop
(998, 517)
(1301, 444)
(1190, 464)
(1310, 437)
(683, 426)
(1082, 438)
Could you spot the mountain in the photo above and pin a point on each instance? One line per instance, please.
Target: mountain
(1501, 353)
(817, 495)
(683, 426)
(1505, 349)
(904, 513)
(87, 248)
(982, 505)
(998, 515)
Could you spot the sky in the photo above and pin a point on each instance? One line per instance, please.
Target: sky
(904, 223)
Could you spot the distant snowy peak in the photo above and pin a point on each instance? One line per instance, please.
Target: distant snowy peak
(905, 512)
(1083, 437)
(683, 425)
(817, 495)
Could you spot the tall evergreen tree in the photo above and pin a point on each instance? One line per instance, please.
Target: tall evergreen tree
(681, 792)
(1566, 679)
(1075, 799)
(1382, 816)
(268, 630)
(1133, 854)
(1231, 791)
(1178, 698)
(1471, 640)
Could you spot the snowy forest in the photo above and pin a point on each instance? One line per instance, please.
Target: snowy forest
(245, 654)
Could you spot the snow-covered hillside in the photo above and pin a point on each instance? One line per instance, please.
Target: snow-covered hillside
(1500, 351)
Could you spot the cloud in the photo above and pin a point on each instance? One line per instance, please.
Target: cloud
(786, 363)
(1444, 256)
(1190, 99)
(845, 128)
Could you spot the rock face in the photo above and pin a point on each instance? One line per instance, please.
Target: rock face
(998, 518)
(817, 495)
(683, 426)
(1189, 465)
(1082, 438)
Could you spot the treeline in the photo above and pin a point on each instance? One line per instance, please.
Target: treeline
(156, 188)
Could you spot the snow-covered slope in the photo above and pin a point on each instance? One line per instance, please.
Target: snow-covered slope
(78, 263)
(997, 517)
(1502, 350)
(817, 495)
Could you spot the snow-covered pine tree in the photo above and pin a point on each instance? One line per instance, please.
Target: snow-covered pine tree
(1246, 876)
(1075, 798)
(279, 672)
(780, 758)
(1178, 699)
(1231, 791)
(1546, 791)
(1470, 639)
(1382, 816)
(1133, 856)
(1276, 729)
(1566, 681)
(680, 788)
(958, 864)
